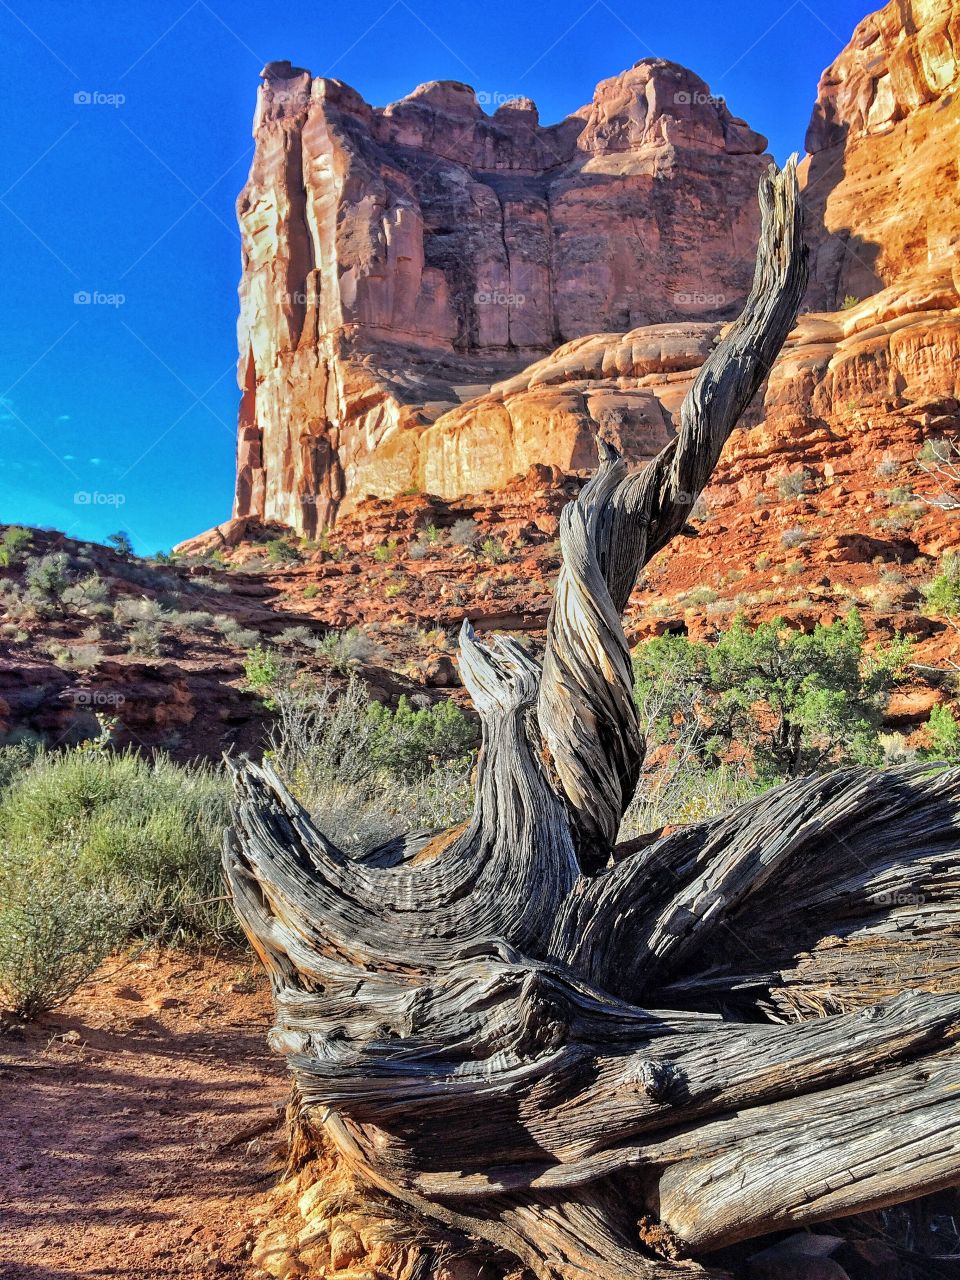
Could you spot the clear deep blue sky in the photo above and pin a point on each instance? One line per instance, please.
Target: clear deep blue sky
(138, 401)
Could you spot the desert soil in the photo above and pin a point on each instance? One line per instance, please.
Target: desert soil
(139, 1125)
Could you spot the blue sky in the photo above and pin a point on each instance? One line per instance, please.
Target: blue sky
(120, 412)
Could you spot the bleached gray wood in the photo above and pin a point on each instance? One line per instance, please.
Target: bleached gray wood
(752, 1023)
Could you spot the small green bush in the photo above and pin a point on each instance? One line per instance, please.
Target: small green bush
(15, 540)
(279, 551)
(311, 591)
(409, 742)
(386, 551)
(146, 832)
(494, 550)
(47, 578)
(942, 593)
(263, 668)
(944, 735)
(56, 928)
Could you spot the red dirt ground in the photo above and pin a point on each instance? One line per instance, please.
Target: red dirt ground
(138, 1124)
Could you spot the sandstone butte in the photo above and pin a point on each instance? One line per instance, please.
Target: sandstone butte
(434, 299)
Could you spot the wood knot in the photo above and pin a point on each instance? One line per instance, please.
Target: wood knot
(660, 1081)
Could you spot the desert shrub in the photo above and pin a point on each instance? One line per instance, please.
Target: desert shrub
(795, 703)
(13, 544)
(699, 597)
(795, 536)
(418, 550)
(346, 650)
(494, 550)
(279, 551)
(700, 511)
(56, 928)
(84, 657)
(264, 668)
(121, 542)
(296, 637)
(134, 609)
(311, 591)
(793, 484)
(145, 639)
(888, 467)
(850, 301)
(943, 735)
(763, 562)
(386, 551)
(794, 569)
(681, 781)
(410, 741)
(233, 633)
(145, 832)
(368, 775)
(47, 578)
(942, 592)
(89, 592)
(464, 533)
(192, 619)
(392, 590)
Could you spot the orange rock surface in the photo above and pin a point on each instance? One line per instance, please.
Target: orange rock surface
(434, 299)
(400, 262)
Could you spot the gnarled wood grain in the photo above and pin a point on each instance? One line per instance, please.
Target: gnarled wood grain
(751, 1023)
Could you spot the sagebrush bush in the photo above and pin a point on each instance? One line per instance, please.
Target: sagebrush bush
(346, 650)
(464, 533)
(793, 484)
(148, 831)
(56, 927)
(368, 774)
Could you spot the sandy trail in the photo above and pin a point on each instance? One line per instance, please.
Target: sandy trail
(126, 1122)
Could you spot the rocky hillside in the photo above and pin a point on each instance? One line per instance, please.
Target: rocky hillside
(445, 437)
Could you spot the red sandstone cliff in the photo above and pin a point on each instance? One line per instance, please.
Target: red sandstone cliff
(400, 261)
(434, 299)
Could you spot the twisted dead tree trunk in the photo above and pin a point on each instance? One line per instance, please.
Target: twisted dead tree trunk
(751, 1023)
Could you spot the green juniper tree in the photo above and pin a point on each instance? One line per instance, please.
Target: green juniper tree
(797, 703)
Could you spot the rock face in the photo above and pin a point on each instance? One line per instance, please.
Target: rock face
(881, 175)
(399, 262)
(434, 299)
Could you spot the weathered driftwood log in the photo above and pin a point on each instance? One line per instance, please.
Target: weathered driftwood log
(752, 1023)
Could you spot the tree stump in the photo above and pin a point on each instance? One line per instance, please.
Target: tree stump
(607, 1066)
